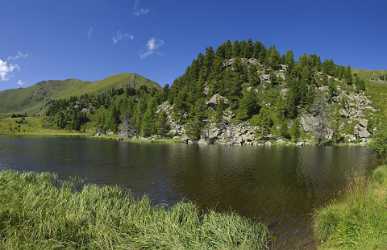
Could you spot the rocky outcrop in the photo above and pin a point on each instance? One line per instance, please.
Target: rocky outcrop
(217, 99)
(317, 122)
(248, 61)
(126, 129)
(233, 134)
(350, 123)
(175, 128)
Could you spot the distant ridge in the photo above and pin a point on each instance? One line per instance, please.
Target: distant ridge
(33, 98)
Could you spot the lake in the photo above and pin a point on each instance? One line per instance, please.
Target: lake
(280, 186)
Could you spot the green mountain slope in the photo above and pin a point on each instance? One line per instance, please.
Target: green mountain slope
(33, 98)
(372, 75)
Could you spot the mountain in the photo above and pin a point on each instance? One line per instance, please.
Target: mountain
(32, 99)
(239, 93)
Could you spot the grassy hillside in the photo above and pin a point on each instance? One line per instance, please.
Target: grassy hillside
(377, 92)
(39, 211)
(30, 126)
(33, 98)
(374, 75)
(359, 220)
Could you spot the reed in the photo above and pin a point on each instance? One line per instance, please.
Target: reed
(359, 220)
(40, 211)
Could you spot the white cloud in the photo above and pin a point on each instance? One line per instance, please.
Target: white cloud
(19, 55)
(152, 47)
(20, 83)
(119, 36)
(6, 69)
(90, 32)
(141, 12)
(137, 11)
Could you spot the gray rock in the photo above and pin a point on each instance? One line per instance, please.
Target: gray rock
(363, 123)
(361, 132)
(216, 99)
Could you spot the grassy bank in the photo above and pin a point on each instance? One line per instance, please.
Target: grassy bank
(34, 126)
(39, 211)
(359, 220)
(31, 126)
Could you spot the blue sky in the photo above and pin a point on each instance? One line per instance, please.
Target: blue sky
(92, 39)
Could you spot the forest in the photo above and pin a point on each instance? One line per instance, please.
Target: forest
(258, 85)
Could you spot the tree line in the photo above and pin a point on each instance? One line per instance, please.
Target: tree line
(253, 90)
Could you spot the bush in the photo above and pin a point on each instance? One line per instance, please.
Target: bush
(379, 142)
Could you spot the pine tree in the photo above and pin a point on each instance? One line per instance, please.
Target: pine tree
(162, 127)
(273, 57)
(148, 123)
(248, 106)
(295, 131)
(348, 75)
(289, 59)
(359, 84)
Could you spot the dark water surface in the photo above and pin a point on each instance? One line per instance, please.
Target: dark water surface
(280, 186)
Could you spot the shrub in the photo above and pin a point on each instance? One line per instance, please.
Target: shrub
(379, 143)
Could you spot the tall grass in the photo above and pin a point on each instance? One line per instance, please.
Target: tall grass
(38, 211)
(359, 221)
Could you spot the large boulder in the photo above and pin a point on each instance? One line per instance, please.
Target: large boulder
(217, 99)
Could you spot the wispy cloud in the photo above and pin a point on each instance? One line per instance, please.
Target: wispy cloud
(20, 83)
(6, 70)
(19, 55)
(119, 36)
(90, 32)
(138, 11)
(7, 67)
(152, 47)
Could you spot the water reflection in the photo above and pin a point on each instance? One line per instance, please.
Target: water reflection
(270, 184)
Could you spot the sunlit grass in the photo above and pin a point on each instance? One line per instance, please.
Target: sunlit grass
(30, 126)
(39, 211)
(378, 95)
(359, 221)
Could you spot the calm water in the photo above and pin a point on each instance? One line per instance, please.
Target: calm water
(280, 186)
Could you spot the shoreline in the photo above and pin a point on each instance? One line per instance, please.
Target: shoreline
(356, 220)
(107, 217)
(327, 222)
(150, 140)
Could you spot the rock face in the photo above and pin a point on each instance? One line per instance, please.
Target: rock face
(126, 130)
(175, 128)
(231, 62)
(347, 124)
(318, 122)
(234, 134)
(354, 111)
(316, 125)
